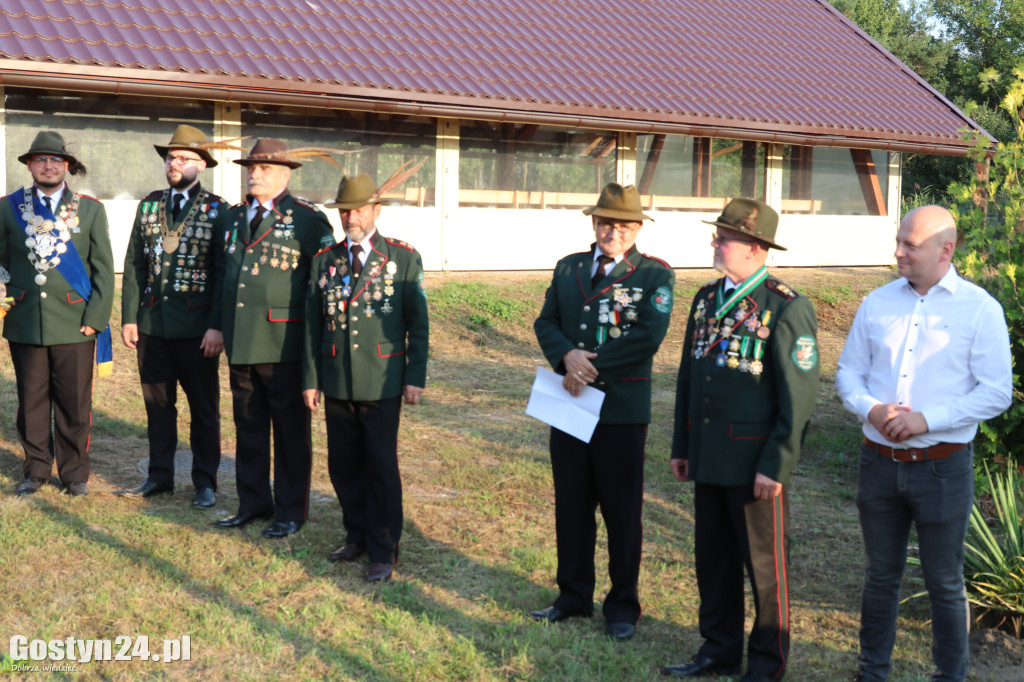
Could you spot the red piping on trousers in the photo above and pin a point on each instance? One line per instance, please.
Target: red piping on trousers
(782, 593)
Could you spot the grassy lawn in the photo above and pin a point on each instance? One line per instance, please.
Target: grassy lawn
(478, 550)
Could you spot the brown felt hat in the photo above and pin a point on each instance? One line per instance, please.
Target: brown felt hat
(187, 137)
(267, 150)
(355, 193)
(619, 203)
(751, 217)
(50, 142)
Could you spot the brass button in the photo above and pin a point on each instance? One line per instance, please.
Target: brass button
(245, 268)
(355, 332)
(706, 420)
(42, 295)
(586, 308)
(579, 345)
(355, 346)
(241, 305)
(355, 304)
(583, 326)
(241, 285)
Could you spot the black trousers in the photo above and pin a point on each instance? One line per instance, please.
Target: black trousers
(734, 530)
(362, 458)
(609, 471)
(58, 379)
(264, 396)
(163, 363)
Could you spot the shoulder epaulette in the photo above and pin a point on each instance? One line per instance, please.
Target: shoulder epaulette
(238, 205)
(399, 242)
(328, 248)
(656, 260)
(155, 193)
(306, 203)
(86, 196)
(780, 287)
(710, 283)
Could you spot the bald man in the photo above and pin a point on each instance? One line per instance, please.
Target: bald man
(927, 359)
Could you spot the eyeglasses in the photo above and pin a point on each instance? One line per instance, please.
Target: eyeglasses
(623, 229)
(180, 160)
(43, 160)
(722, 239)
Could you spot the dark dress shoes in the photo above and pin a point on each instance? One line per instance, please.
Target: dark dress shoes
(700, 666)
(241, 519)
(280, 529)
(30, 486)
(620, 631)
(147, 489)
(77, 489)
(379, 572)
(203, 498)
(553, 614)
(347, 552)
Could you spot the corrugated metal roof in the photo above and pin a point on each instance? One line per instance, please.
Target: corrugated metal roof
(757, 69)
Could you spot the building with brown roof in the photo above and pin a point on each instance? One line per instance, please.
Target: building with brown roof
(523, 108)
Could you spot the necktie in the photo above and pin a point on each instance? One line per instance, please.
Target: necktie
(47, 204)
(179, 202)
(357, 262)
(602, 263)
(254, 224)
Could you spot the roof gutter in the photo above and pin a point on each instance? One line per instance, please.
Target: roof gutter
(112, 81)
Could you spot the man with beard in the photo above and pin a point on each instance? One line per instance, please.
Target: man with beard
(56, 246)
(366, 350)
(271, 238)
(171, 314)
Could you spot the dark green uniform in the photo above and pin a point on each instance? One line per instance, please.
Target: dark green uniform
(747, 384)
(53, 313)
(265, 279)
(172, 289)
(175, 294)
(623, 319)
(366, 338)
(52, 358)
(265, 282)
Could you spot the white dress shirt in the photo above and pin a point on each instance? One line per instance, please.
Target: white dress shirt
(945, 354)
(608, 268)
(367, 248)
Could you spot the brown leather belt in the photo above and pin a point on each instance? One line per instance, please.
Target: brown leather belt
(937, 451)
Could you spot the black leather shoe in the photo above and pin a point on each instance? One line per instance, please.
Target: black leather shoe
(553, 614)
(77, 489)
(203, 498)
(147, 489)
(347, 552)
(700, 666)
(280, 529)
(30, 486)
(620, 631)
(379, 572)
(241, 519)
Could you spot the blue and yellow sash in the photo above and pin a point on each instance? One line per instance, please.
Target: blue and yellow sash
(71, 267)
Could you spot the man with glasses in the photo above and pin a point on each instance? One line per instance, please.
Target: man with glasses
(604, 317)
(55, 252)
(171, 314)
(746, 389)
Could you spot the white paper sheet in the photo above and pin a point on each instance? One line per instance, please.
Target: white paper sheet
(554, 405)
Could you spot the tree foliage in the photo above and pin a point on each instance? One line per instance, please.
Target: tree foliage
(989, 209)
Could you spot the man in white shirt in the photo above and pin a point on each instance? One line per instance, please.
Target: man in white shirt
(927, 359)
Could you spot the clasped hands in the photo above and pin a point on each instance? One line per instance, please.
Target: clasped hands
(579, 371)
(896, 422)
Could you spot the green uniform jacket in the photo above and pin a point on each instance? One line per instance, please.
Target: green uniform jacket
(366, 338)
(175, 295)
(623, 320)
(265, 279)
(747, 385)
(53, 313)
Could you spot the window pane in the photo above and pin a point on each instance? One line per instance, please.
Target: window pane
(680, 173)
(112, 135)
(511, 165)
(835, 181)
(376, 144)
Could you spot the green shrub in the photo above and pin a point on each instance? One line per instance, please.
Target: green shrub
(994, 553)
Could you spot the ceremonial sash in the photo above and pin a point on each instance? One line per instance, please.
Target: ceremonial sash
(71, 267)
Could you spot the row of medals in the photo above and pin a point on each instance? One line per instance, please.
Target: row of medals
(706, 338)
(44, 248)
(337, 296)
(625, 303)
(191, 274)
